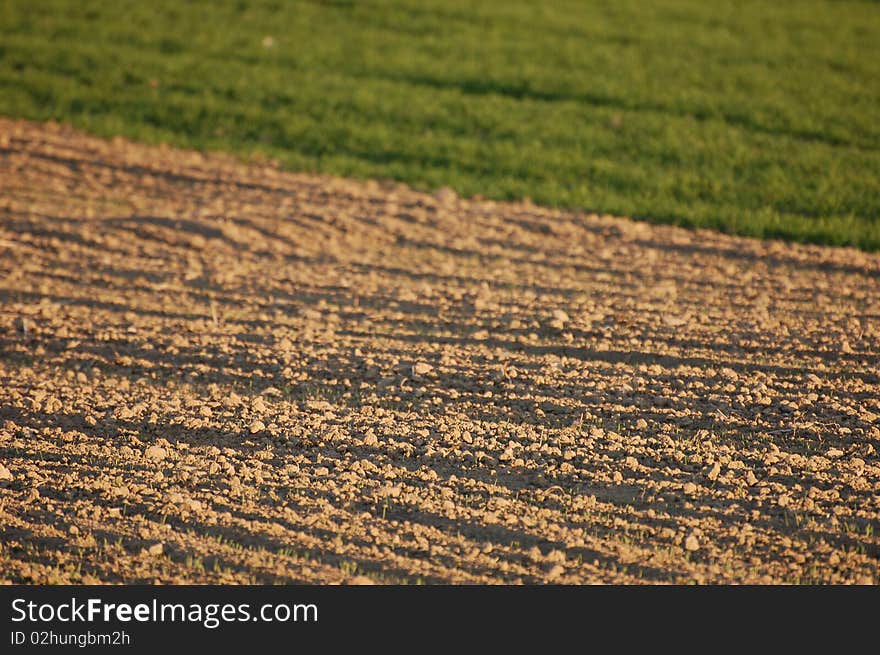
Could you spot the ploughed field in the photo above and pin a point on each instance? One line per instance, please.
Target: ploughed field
(220, 372)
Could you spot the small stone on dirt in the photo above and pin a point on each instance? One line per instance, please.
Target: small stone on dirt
(561, 316)
(691, 543)
(390, 491)
(155, 453)
(257, 426)
(714, 472)
(556, 571)
(557, 556)
(421, 368)
(674, 321)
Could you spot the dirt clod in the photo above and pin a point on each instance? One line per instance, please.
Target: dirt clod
(155, 453)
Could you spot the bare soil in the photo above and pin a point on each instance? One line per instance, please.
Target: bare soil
(219, 372)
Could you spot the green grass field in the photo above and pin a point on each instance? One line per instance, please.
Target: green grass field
(761, 118)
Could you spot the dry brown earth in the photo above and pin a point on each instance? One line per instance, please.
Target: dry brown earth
(219, 372)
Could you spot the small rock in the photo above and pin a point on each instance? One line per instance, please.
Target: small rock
(175, 497)
(257, 426)
(322, 471)
(556, 571)
(692, 543)
(690, 488)
(641, 424)
(319, 406)
(73, 530)
(674, 321)
(751, 479)
(390, 491)
(5, 473)
(155, 453)
(714, 472)
(156, 549)
(631, 462)
(557, 556)
(421, 368)
(834, 453)
(561, 316)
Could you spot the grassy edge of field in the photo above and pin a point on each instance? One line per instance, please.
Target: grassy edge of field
(730, 152)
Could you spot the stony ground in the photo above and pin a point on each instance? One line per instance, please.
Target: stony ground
(218, 372)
